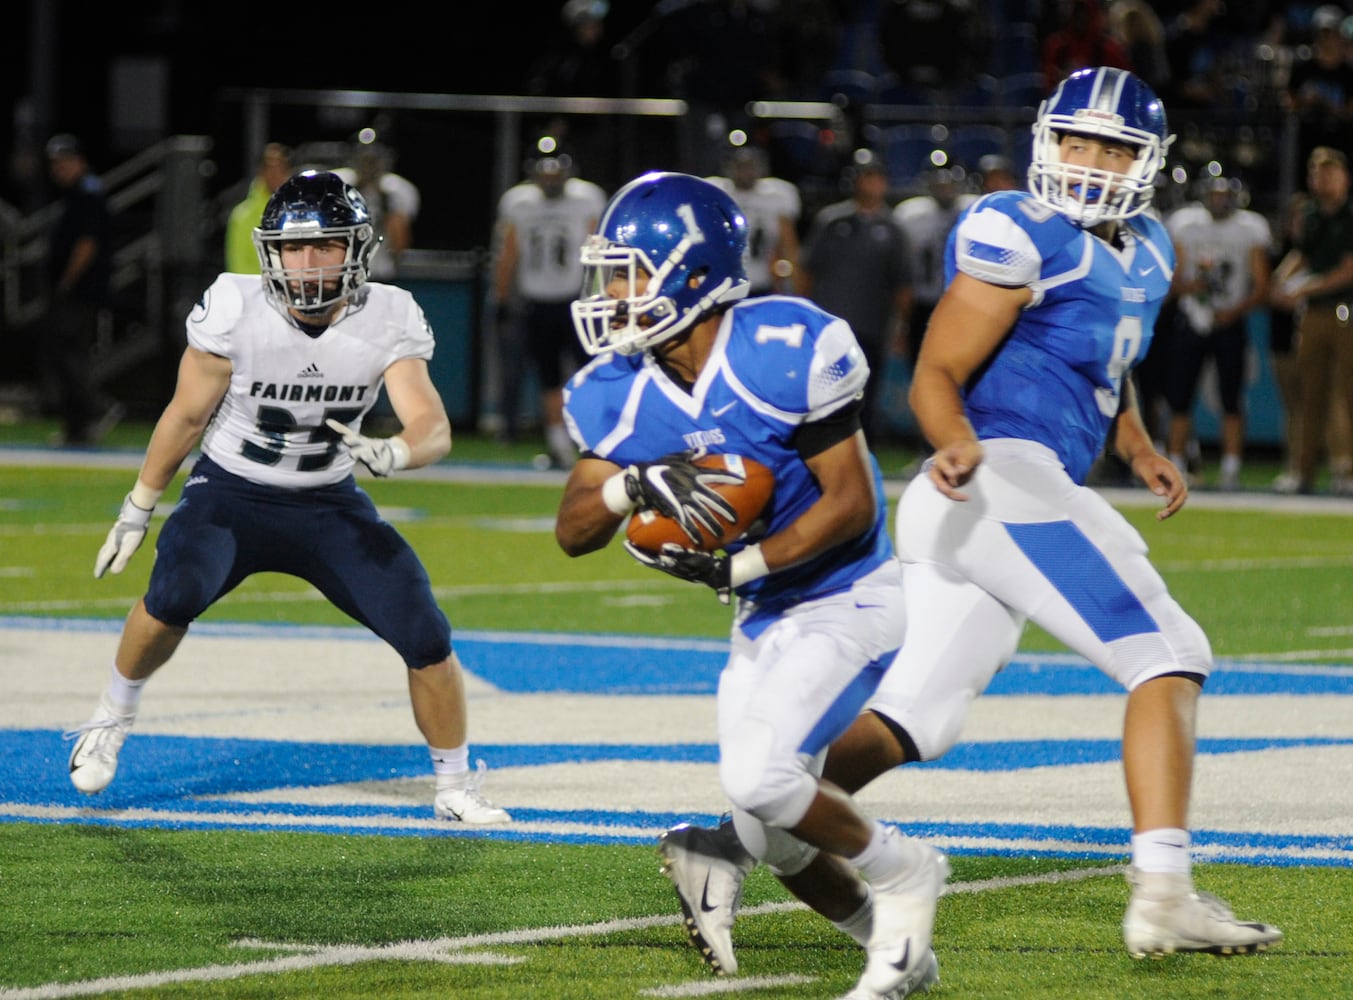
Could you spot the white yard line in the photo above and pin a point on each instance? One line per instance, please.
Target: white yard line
(453, 950)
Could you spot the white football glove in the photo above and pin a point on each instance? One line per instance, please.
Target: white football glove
(381, 455)
(125, 537)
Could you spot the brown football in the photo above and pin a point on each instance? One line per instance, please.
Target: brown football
(648, 529)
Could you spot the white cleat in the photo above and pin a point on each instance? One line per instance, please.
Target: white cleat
(468, 805)
(1166, 915)
(899, 957)
(927, 975)
(93, 760)
(707, 868)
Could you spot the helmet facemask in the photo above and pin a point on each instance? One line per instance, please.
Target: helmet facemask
(638, 320)
(1112, 106)
(314, 290)
(315, 205)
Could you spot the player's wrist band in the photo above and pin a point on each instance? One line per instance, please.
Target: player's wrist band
(401, 450)
(746, 566)
(145, 496)
(615, 496)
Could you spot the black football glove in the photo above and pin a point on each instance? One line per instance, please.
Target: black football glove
(676, 487)
(713, 569)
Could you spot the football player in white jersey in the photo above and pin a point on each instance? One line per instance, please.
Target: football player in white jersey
(541, 223)
(771, 207)
(1223, 275)
(275, 380)
(683, 364)
(1024, 374)
(926, 219)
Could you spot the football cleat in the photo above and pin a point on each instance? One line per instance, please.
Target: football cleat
(707, 868)
(1166, 915)
(899, 955)
(93, 759)
(467, 804)
(927, 975)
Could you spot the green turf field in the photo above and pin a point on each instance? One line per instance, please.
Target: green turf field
(119, 909)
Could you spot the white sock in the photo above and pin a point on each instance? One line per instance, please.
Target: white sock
(1230, 465)
(1164, 850)
(885, 860)
(1180, 462)
(861, 922)
(123, 696)
(452, 767)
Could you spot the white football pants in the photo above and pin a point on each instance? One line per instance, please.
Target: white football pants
(1027, 544)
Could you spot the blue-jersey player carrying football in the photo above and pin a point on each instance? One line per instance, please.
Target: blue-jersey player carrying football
(1050, 301)
(682, 365)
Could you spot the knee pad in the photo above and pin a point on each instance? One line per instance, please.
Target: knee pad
(778, 850)
(777, 788)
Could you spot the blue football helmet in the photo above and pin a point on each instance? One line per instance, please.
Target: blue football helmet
(686, 236)
(1102, 103)
(312, 205)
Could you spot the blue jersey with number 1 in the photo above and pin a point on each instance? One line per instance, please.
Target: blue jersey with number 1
(1058, 377)
(777, 363)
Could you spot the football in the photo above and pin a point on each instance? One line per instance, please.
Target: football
(648, 529)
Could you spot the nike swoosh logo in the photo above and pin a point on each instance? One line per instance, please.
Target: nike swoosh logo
(901, 964)
(704, 900)
(1145, 271)
(723, 409)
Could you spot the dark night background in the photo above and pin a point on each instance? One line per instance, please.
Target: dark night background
(208, 50)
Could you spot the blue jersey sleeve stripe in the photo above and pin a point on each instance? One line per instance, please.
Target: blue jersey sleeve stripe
(1081, 574)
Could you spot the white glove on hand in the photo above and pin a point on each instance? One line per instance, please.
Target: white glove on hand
(381, 455)
(126, 536)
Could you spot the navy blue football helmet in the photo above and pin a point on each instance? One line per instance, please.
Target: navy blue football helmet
(1102, 103)
(686, 236)
(313, 205)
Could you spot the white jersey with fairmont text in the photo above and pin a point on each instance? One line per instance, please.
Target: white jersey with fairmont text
(284, 384)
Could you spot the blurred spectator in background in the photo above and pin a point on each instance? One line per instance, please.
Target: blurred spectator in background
(1138, 29)
(578, 62)
(771, 207)
(805, 39)
(1320, 88)
(937, 44)
(1316, 279)
(1282, 328)
(855, 264)
(1221, 276)
(998, 173)
(79, 266)
(542, 224)
(274, 166)
(719, 56)
(1192, 46)
(926, 220)
(392, 200)
(1083, 40)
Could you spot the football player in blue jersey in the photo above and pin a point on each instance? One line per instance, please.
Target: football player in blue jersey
(1024, 375)
(682, 365)
(278, 373)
